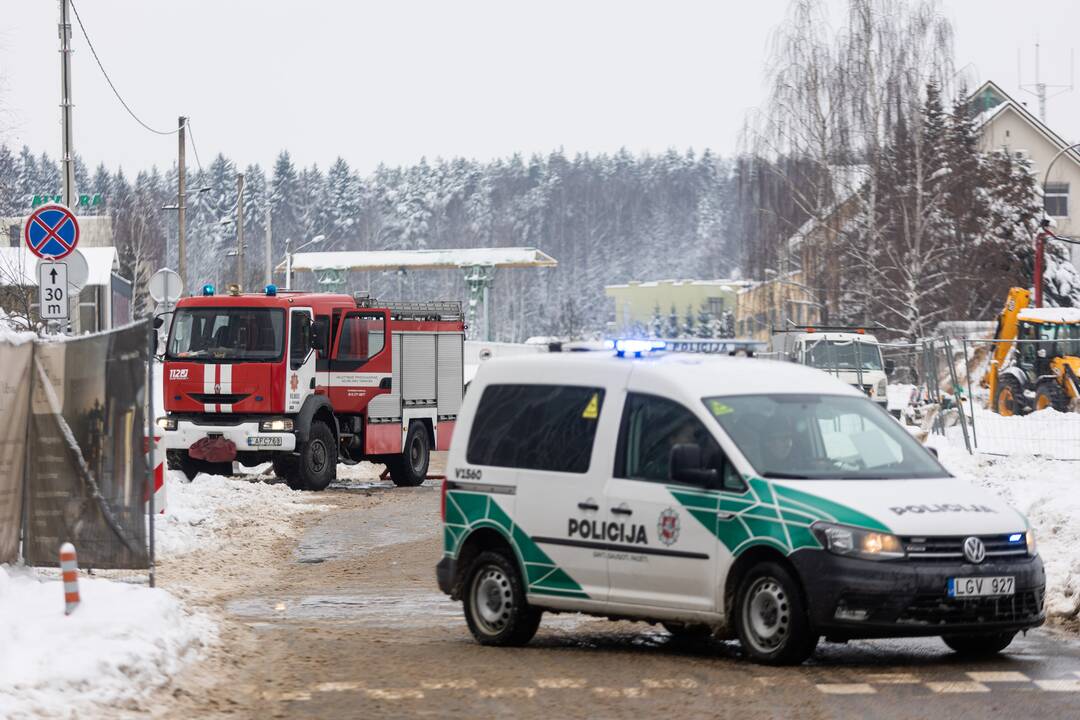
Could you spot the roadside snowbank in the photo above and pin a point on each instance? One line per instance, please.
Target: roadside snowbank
(1046, 491)
(122, 642)
(198, 512)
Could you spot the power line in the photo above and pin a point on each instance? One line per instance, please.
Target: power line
(109, 80)
(191, 137)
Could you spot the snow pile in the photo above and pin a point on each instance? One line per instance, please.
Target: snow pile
(119, 644)
(199, 512)
(1046, 432)
(1045, 490)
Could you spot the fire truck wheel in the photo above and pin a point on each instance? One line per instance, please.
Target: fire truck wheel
(409, 469)
(317, 466)
(285, 467)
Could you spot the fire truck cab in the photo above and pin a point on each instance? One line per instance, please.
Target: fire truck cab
(307, 380)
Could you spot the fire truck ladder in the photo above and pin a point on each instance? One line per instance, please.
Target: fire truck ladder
(402, 310)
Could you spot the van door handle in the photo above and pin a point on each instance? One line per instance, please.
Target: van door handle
(588, 506)
(622, 510)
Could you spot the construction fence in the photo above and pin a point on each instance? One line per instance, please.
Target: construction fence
(944, 385)
(73, 460)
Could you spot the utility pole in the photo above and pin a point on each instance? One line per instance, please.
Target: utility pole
(181, 205)
(67, 159)
(269, 248)
(240, 230)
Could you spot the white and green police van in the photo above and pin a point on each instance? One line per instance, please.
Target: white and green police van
(739, 497)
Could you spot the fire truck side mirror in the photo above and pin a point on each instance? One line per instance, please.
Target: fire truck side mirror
(320, 335)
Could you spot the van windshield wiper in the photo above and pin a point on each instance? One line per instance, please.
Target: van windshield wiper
(785, 476)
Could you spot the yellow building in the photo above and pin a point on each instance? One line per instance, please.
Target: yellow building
(635, 303)
(775, 303)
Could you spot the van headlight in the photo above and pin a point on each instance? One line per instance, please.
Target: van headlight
(882, 387)
(856, 542)
(276, 425)
(166, 423)
(1030, 536)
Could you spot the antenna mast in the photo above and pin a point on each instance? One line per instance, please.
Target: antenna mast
(1039, 88)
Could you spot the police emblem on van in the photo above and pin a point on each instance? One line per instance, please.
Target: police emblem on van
(667, 527)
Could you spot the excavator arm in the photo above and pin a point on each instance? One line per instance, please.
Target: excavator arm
(1008, 327)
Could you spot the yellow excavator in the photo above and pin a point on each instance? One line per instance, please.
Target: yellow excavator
(1028, 376)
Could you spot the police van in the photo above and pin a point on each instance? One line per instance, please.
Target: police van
(744, 498)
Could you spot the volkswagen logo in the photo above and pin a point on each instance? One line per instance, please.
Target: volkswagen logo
(974, 550)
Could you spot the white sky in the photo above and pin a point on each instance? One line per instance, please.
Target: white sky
(393, 81)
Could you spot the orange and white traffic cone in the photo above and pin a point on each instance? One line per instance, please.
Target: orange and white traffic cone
(69, 566)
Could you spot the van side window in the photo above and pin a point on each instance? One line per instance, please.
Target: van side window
(535, 427)
(651, 426)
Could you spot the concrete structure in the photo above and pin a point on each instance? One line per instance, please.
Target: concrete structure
(635, 302)
(775, 303)
(1005, 124)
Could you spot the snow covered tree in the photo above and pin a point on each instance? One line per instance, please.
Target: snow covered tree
(672, 328)
(704, 323)
(656, 324)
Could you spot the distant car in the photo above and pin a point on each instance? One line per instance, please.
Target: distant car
(755, 499)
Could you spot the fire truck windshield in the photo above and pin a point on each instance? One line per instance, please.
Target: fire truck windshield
(227, 333)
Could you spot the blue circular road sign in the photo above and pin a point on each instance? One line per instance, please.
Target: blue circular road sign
(51, 231)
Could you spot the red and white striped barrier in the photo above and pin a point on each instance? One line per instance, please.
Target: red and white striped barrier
(155, 455)
(69, 566)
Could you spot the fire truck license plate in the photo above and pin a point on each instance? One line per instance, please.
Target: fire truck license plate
(264, 441)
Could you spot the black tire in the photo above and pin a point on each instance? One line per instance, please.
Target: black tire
(771, 618)
(316, 464)
(979, 645)
(495, 606)
(682, 633)
(1009, 398)
(410, 468)
(1050, 394)
(192, 467)
(286, 467)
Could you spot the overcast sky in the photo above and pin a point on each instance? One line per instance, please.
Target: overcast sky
(393, 81)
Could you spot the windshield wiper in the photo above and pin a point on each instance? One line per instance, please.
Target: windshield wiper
(785, 476)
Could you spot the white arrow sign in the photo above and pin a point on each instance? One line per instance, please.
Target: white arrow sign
(53, 290)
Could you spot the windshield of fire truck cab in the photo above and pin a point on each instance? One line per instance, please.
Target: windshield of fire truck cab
(227, 334)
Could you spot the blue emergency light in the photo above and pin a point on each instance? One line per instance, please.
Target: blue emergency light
(637, 347)
(207, 289)
(271, 290)
(1016, 537)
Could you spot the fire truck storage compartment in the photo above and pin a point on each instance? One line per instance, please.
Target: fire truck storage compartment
(418, 380)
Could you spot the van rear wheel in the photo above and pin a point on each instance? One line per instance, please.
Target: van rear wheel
(495, 607)
(409, 469)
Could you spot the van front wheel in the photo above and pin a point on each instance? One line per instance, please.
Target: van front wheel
(770, 617)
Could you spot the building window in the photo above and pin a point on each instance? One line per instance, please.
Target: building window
(716, 306)
(1057, 199)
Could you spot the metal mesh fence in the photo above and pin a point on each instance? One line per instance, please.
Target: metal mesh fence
(87, 470)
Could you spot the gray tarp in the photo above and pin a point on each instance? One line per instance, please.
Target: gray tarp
(86, 477)
(14, 406)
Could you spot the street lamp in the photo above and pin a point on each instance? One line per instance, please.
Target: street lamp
(289, 253)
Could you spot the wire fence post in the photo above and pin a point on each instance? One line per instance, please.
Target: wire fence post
(971, 395)
(150, 426)
(956, 387)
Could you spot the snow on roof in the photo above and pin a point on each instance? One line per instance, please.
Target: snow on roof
(731, 285)
(420, 259)
(1050, 315)
(18, 266)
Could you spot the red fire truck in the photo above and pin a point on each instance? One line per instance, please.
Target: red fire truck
(307, 380)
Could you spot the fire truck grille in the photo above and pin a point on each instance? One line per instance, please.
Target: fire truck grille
(218, 399)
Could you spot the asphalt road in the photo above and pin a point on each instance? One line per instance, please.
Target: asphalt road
(351, 624)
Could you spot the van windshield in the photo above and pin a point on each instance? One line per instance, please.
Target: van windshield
(227, 334)
(843, 355)
(821, 436)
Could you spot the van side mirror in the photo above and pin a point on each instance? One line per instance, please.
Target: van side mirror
(320, 335)
(932, 450)
(890, 366)
(685, 467)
